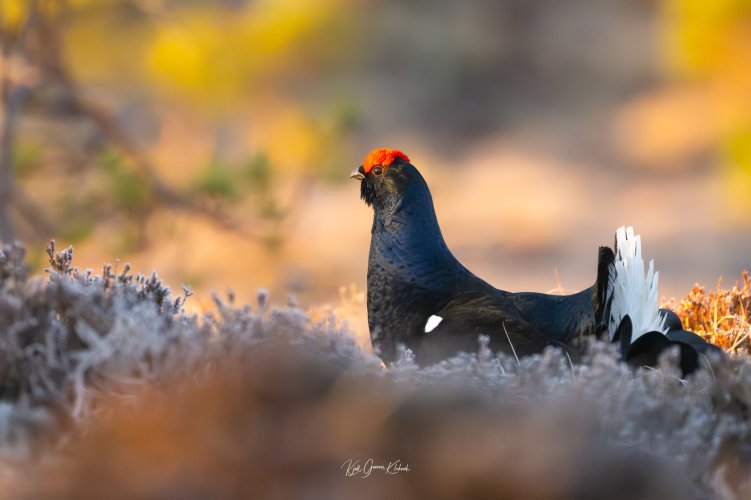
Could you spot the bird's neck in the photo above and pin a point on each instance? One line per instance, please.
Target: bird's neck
(411, 272)
(408, 245)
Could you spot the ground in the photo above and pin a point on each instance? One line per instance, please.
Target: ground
(110, 389)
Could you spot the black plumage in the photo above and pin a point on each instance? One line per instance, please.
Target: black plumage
(421, 296)
(645, 350)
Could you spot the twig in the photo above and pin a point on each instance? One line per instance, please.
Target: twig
(500, 365)
(11, 104)
(139, 160)
(558, 290)
(709, 365)
(571, 363)
(141, 164)
(510, 343)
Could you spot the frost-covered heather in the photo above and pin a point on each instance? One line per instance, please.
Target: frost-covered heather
(117, 393)
(69, 339)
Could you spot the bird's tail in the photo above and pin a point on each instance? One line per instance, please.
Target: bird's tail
(631, 293)
(626, 305)
(603, 289)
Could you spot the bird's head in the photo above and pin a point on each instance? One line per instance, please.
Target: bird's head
(384, 174)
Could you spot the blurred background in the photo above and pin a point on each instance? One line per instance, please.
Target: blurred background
(212, 140)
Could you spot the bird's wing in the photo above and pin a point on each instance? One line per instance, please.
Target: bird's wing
(566, 317)
(561, 317)
(457, 325)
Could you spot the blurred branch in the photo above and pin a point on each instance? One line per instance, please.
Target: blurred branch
(13, 94)
(143, 167)
(139, 161)
(11, 103)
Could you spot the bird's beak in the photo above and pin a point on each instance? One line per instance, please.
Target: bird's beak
(357, 173)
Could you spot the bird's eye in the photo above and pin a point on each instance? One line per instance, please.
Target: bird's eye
(377, 170)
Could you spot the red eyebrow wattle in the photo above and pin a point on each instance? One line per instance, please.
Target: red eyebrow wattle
(382, 157)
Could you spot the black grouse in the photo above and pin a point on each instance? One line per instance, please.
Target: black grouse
(421, 296)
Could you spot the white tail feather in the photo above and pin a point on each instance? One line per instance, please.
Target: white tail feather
(633, 293)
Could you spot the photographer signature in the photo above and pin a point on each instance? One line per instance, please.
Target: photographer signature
(364, 469)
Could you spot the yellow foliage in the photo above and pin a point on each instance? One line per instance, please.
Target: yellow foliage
(101, 48)
(709, 42)
(707, 36)
(78, 5)
(181, 55)
(737, 151)
(209, 55)
(216, 55)
(13, 13)
(292, 141)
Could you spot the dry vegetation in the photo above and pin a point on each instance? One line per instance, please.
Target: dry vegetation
(721, 316)
(109, 389)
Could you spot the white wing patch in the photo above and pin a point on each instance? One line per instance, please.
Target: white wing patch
(432, 323)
